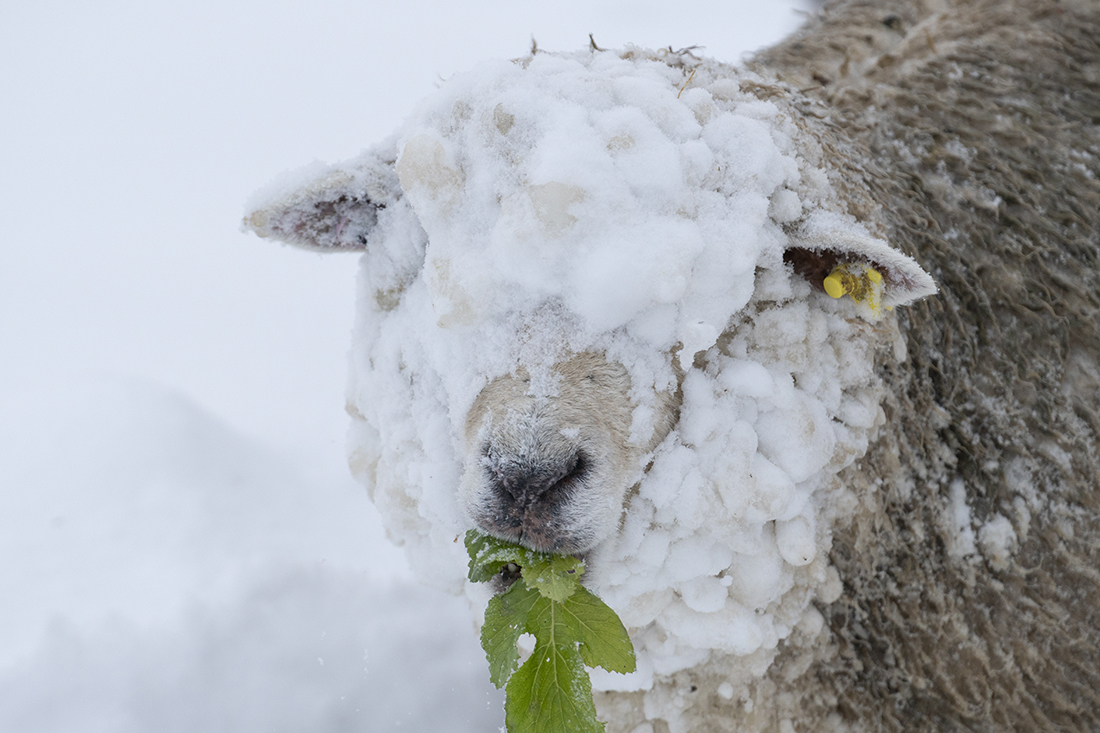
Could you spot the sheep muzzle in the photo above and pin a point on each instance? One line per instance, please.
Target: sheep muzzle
(549, 465)
(529, 496)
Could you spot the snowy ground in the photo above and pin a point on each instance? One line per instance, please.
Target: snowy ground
(181, 547)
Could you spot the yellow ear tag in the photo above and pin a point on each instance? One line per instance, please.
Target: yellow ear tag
(834, 285)
(860, 281)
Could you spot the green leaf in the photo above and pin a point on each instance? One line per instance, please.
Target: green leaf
(555, 576)
(602, 636)
(506, 618)
(488, 555)
(551, 693)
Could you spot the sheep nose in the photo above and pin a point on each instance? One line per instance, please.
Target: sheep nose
(530, 482)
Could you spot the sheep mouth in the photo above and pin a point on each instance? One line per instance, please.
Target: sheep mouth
(512, 572)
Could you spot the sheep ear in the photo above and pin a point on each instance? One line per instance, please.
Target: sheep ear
(825, 243)
(326, 208)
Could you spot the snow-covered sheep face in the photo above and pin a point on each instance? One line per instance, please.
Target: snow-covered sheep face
(550, 470)
(591, 318)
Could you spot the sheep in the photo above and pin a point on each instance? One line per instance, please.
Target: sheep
(873, 512)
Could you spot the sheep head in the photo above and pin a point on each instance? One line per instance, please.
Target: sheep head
(591, 293)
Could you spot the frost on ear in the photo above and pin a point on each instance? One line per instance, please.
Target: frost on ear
(326, 207)
(842, 258)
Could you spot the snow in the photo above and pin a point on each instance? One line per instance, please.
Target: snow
(997, 539)
(180, 545)
(961, 531)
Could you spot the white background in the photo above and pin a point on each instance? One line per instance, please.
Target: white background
(181, 547)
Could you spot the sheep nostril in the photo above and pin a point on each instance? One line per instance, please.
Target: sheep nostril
(575, 468)
(529, 483)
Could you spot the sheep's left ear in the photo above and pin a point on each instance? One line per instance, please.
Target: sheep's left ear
(825, 243)
(327, 208)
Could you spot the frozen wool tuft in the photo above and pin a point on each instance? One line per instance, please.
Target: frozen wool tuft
(584, 180)
(580, 283)
(733, 515)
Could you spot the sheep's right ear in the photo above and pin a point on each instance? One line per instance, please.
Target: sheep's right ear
(327, 208)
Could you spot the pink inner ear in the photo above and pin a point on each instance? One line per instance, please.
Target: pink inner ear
(327, 208)
(342, 223)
